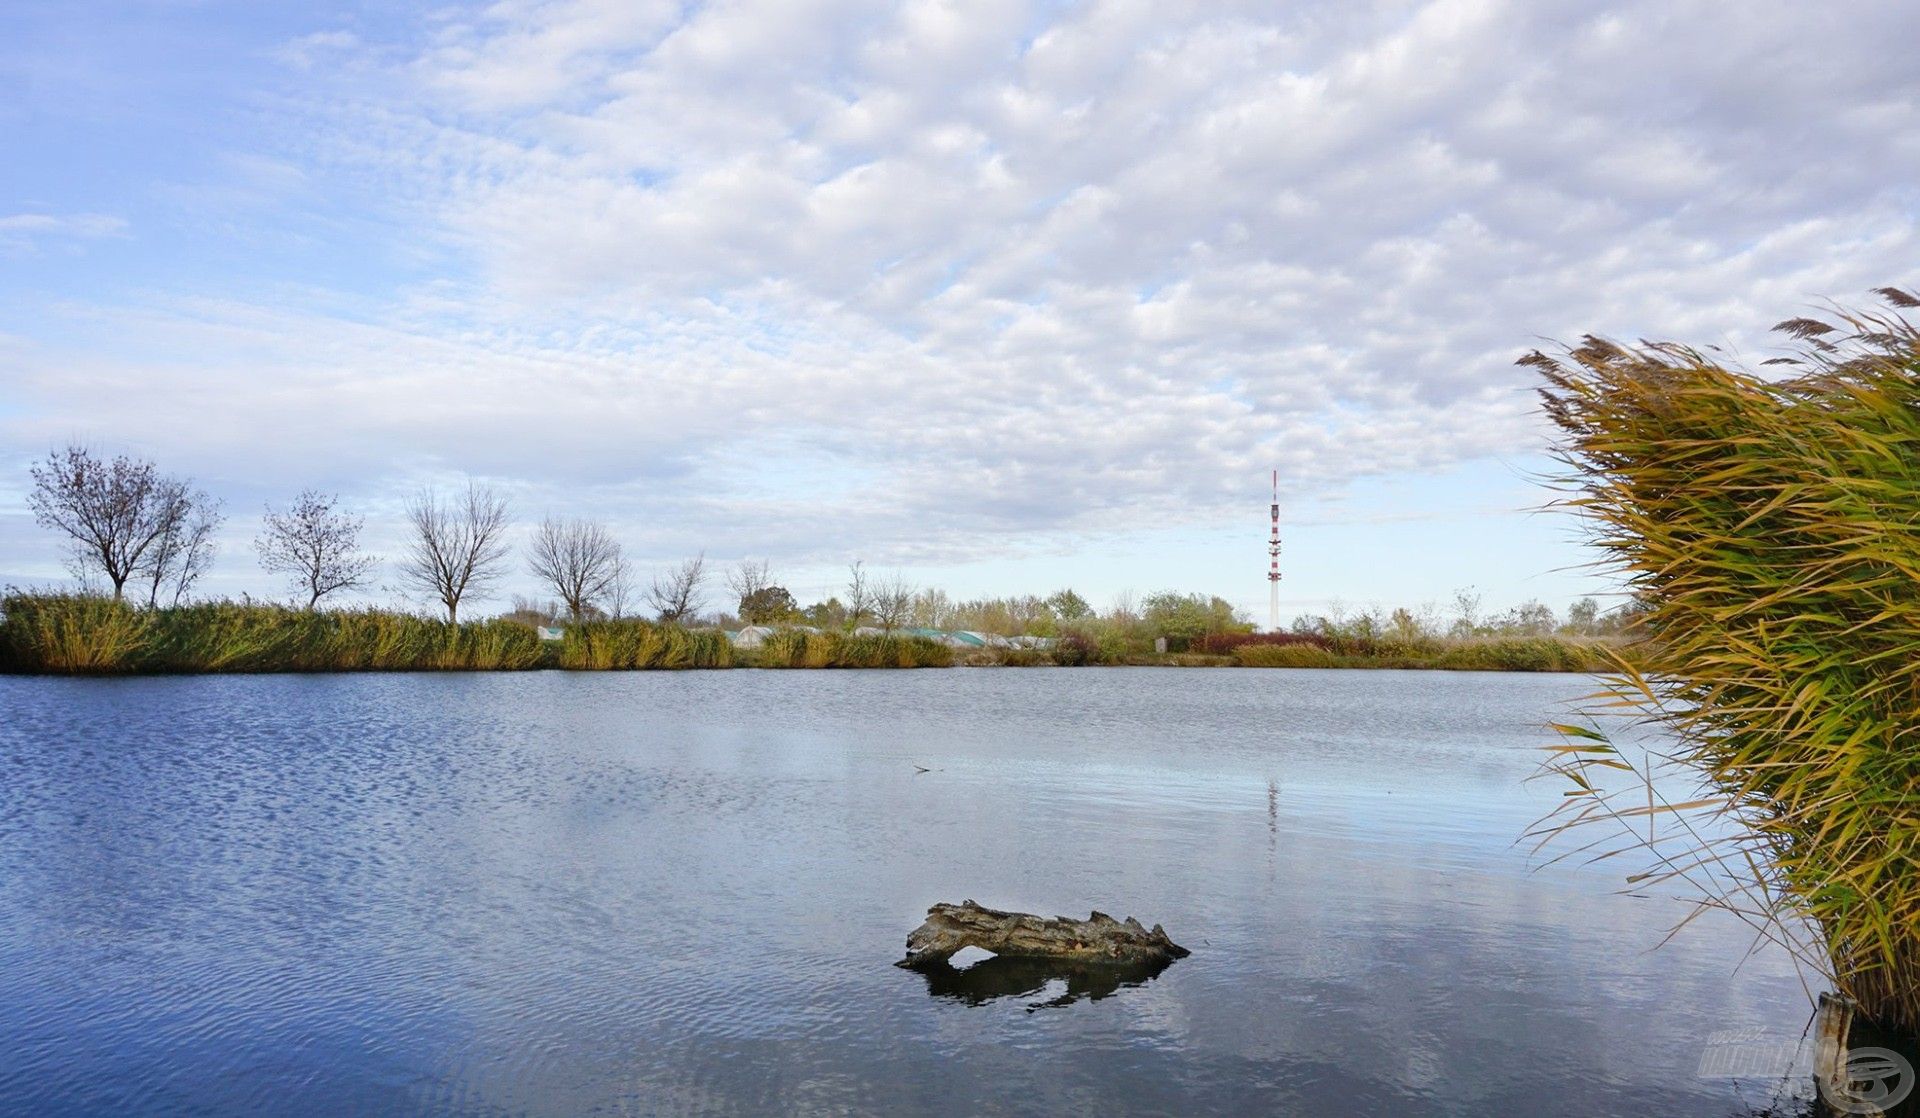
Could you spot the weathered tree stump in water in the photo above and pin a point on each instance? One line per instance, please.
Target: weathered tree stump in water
(1099, 938)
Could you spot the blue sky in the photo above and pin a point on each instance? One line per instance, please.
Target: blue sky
(1003, 296)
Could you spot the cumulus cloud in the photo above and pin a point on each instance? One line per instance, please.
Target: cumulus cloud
(970, 271)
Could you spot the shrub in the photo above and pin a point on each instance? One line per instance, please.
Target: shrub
(1075, 650)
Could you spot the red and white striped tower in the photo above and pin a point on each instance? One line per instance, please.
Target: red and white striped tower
(1273, 556)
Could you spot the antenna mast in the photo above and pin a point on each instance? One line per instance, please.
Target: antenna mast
(1273, 556)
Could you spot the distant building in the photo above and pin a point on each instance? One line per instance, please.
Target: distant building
(750, 636)
(550, 632)
(940, 635)
(1032, 642)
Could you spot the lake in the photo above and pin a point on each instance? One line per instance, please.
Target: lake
(557, 893)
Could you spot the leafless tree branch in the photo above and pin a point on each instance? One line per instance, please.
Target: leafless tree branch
(893, 599)
(578, 559)
(183, 551)
(316, 545)
(749, 577)
(859, 595)
(677, 595)
(459, 547)
(621, 591)
(116, 513)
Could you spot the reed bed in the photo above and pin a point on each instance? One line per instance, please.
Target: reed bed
(89, 634)
(799, 648)
(1483, 654)
(1771, 528)
(629, 645)
(80, 634)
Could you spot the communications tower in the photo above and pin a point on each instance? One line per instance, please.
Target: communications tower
(1273, 557)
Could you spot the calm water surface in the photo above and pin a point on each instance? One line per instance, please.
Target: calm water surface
(638, 893)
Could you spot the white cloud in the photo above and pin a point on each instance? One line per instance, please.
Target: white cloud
(309, 51)
(995, 268)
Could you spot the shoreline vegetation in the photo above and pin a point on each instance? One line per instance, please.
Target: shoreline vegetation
(134, 533)
(1765, 525)
(94, 634)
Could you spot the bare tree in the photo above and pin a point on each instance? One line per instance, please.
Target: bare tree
(459, 547)
(892, 602)
(677, 595)
(579, 559)
(183, 552)
(528, 611)
(859, 595)
(621, 591)
(1026, 611)
(114, 514)
(1466, 604)
(315, 545)
(932, 609)
(748, 577)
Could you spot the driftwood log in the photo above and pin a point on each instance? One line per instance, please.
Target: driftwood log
(1097, 939)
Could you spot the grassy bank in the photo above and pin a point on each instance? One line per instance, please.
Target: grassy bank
(1492, 654)
(798, 648)
(1289, 650)
(82, 634)
(91, 635)
(631, 644)
(79, 634)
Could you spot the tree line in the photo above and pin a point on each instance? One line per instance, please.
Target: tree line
(1468, 619)
(129, 524)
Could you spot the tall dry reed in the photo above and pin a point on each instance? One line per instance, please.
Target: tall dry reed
(1771, 527)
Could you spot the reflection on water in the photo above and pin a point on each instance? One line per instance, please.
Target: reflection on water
(567, 893)
(1005, 976)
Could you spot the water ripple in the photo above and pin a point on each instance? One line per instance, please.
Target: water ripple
(658, 893)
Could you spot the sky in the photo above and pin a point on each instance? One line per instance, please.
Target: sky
(1001, 296)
